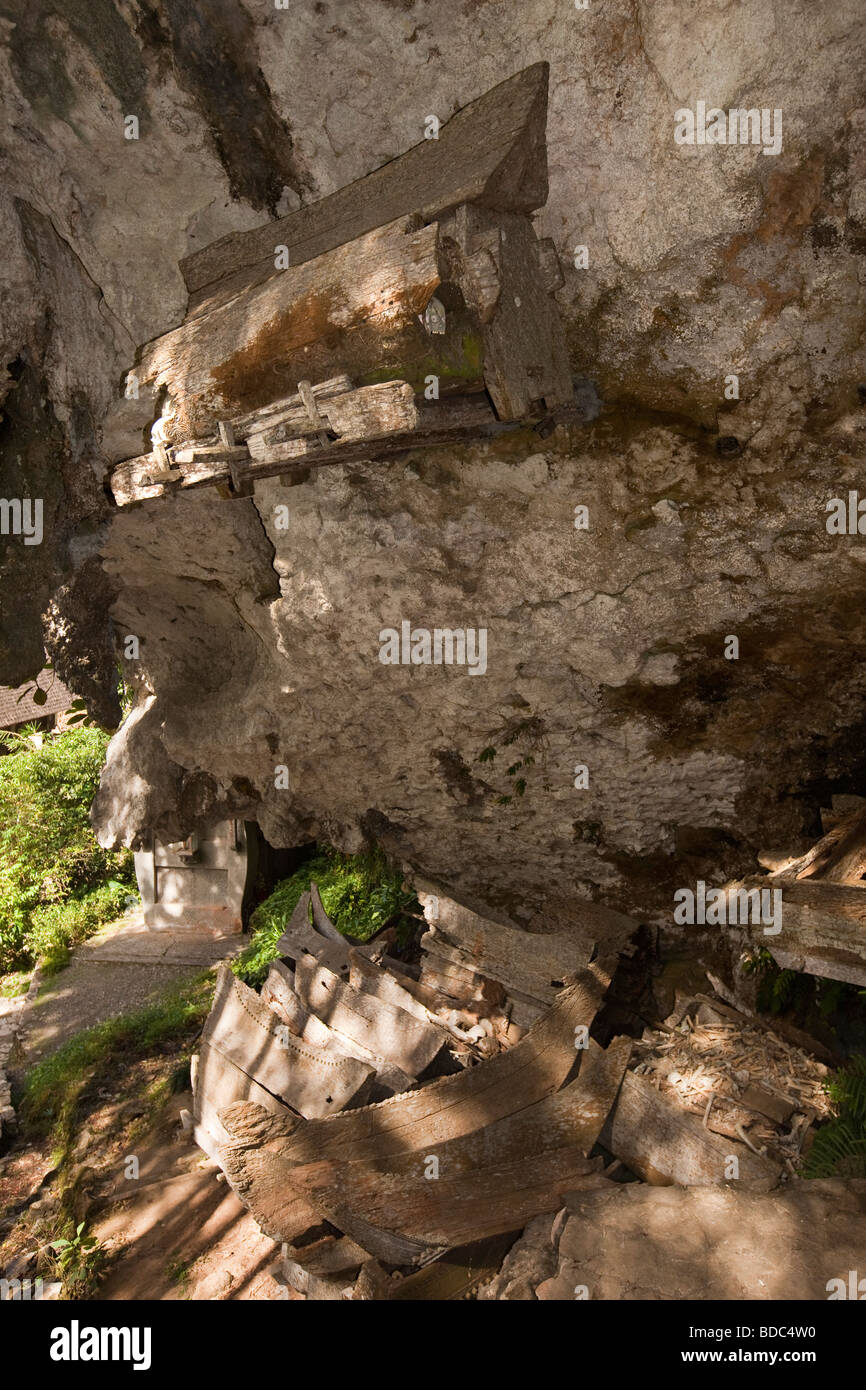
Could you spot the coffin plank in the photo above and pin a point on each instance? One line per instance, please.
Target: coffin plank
(665, 1144)
(312, 1080)
(362, 302)
(382, 1028)
(823, 928)
(491, 1181)
(264, 1148)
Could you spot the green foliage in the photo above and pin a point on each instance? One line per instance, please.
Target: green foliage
(56, 883)
(839, 1148)
(528, 731)
(360, 894)
(79, 1259)
(786, 991)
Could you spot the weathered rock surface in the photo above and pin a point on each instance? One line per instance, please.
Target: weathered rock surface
(637, 1242)
(259, 646)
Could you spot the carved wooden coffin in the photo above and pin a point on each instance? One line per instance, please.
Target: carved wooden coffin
(410, 308)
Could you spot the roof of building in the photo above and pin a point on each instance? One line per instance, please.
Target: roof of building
(17, 705)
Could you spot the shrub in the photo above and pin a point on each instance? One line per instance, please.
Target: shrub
(360, 893)
(56, 883)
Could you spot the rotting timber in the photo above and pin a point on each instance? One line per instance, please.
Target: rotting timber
(416, 307)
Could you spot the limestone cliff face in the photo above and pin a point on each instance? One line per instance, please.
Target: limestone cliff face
(259, 628)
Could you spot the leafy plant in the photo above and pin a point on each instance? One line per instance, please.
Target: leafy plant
(839, 1147)
(529, 731)
(79, 1259)
(361, 893)
(56, 883)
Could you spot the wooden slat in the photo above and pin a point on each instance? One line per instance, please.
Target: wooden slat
(437, 425)
(530, 965)
(382, 1028)
(445, 1109)
(823, 928)
(364, 298)
(278, 994)
(455, 1274)
(368, 978)
(663, 1143)
(311, 1080)
(491, 152)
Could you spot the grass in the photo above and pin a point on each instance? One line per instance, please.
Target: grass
(58, 1094)
(53, 1090)
(360, 893)
(15, 983)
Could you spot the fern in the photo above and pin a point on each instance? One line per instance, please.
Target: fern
(839, 1150)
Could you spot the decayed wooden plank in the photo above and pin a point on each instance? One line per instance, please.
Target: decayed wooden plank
(367, 297)
(311, 1080)
(264, 1149)
(304, 1024)
(838, 857)
(481, 1184)
(492, 152)
(290, 407)
(219, 1084)
(823, 928)
(533, 966)
(665, 1144)
(383, 1029)
(278, 992)
(503, 274)
(301, 936)
(437, 425)
(371, 412)
(372, 979)
(329, 1256)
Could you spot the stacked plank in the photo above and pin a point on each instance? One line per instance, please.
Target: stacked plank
(506, 977)
(408, 309)
(372, 1134)
(395, 1128)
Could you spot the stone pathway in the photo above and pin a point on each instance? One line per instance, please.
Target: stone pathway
(114, 972)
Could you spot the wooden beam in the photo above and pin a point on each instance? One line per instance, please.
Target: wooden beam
(134, 480)
(444, 1109)
(823, 928)
(492, 152)
(382, 1028)
(358, 307)
(664, 1144)
(410, 1205)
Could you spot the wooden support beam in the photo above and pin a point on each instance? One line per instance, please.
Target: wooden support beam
(134, 480)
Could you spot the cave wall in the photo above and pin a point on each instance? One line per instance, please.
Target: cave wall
(258, 645)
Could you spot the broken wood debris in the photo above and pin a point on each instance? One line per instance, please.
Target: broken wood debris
(346, 320)
(422, 1193)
